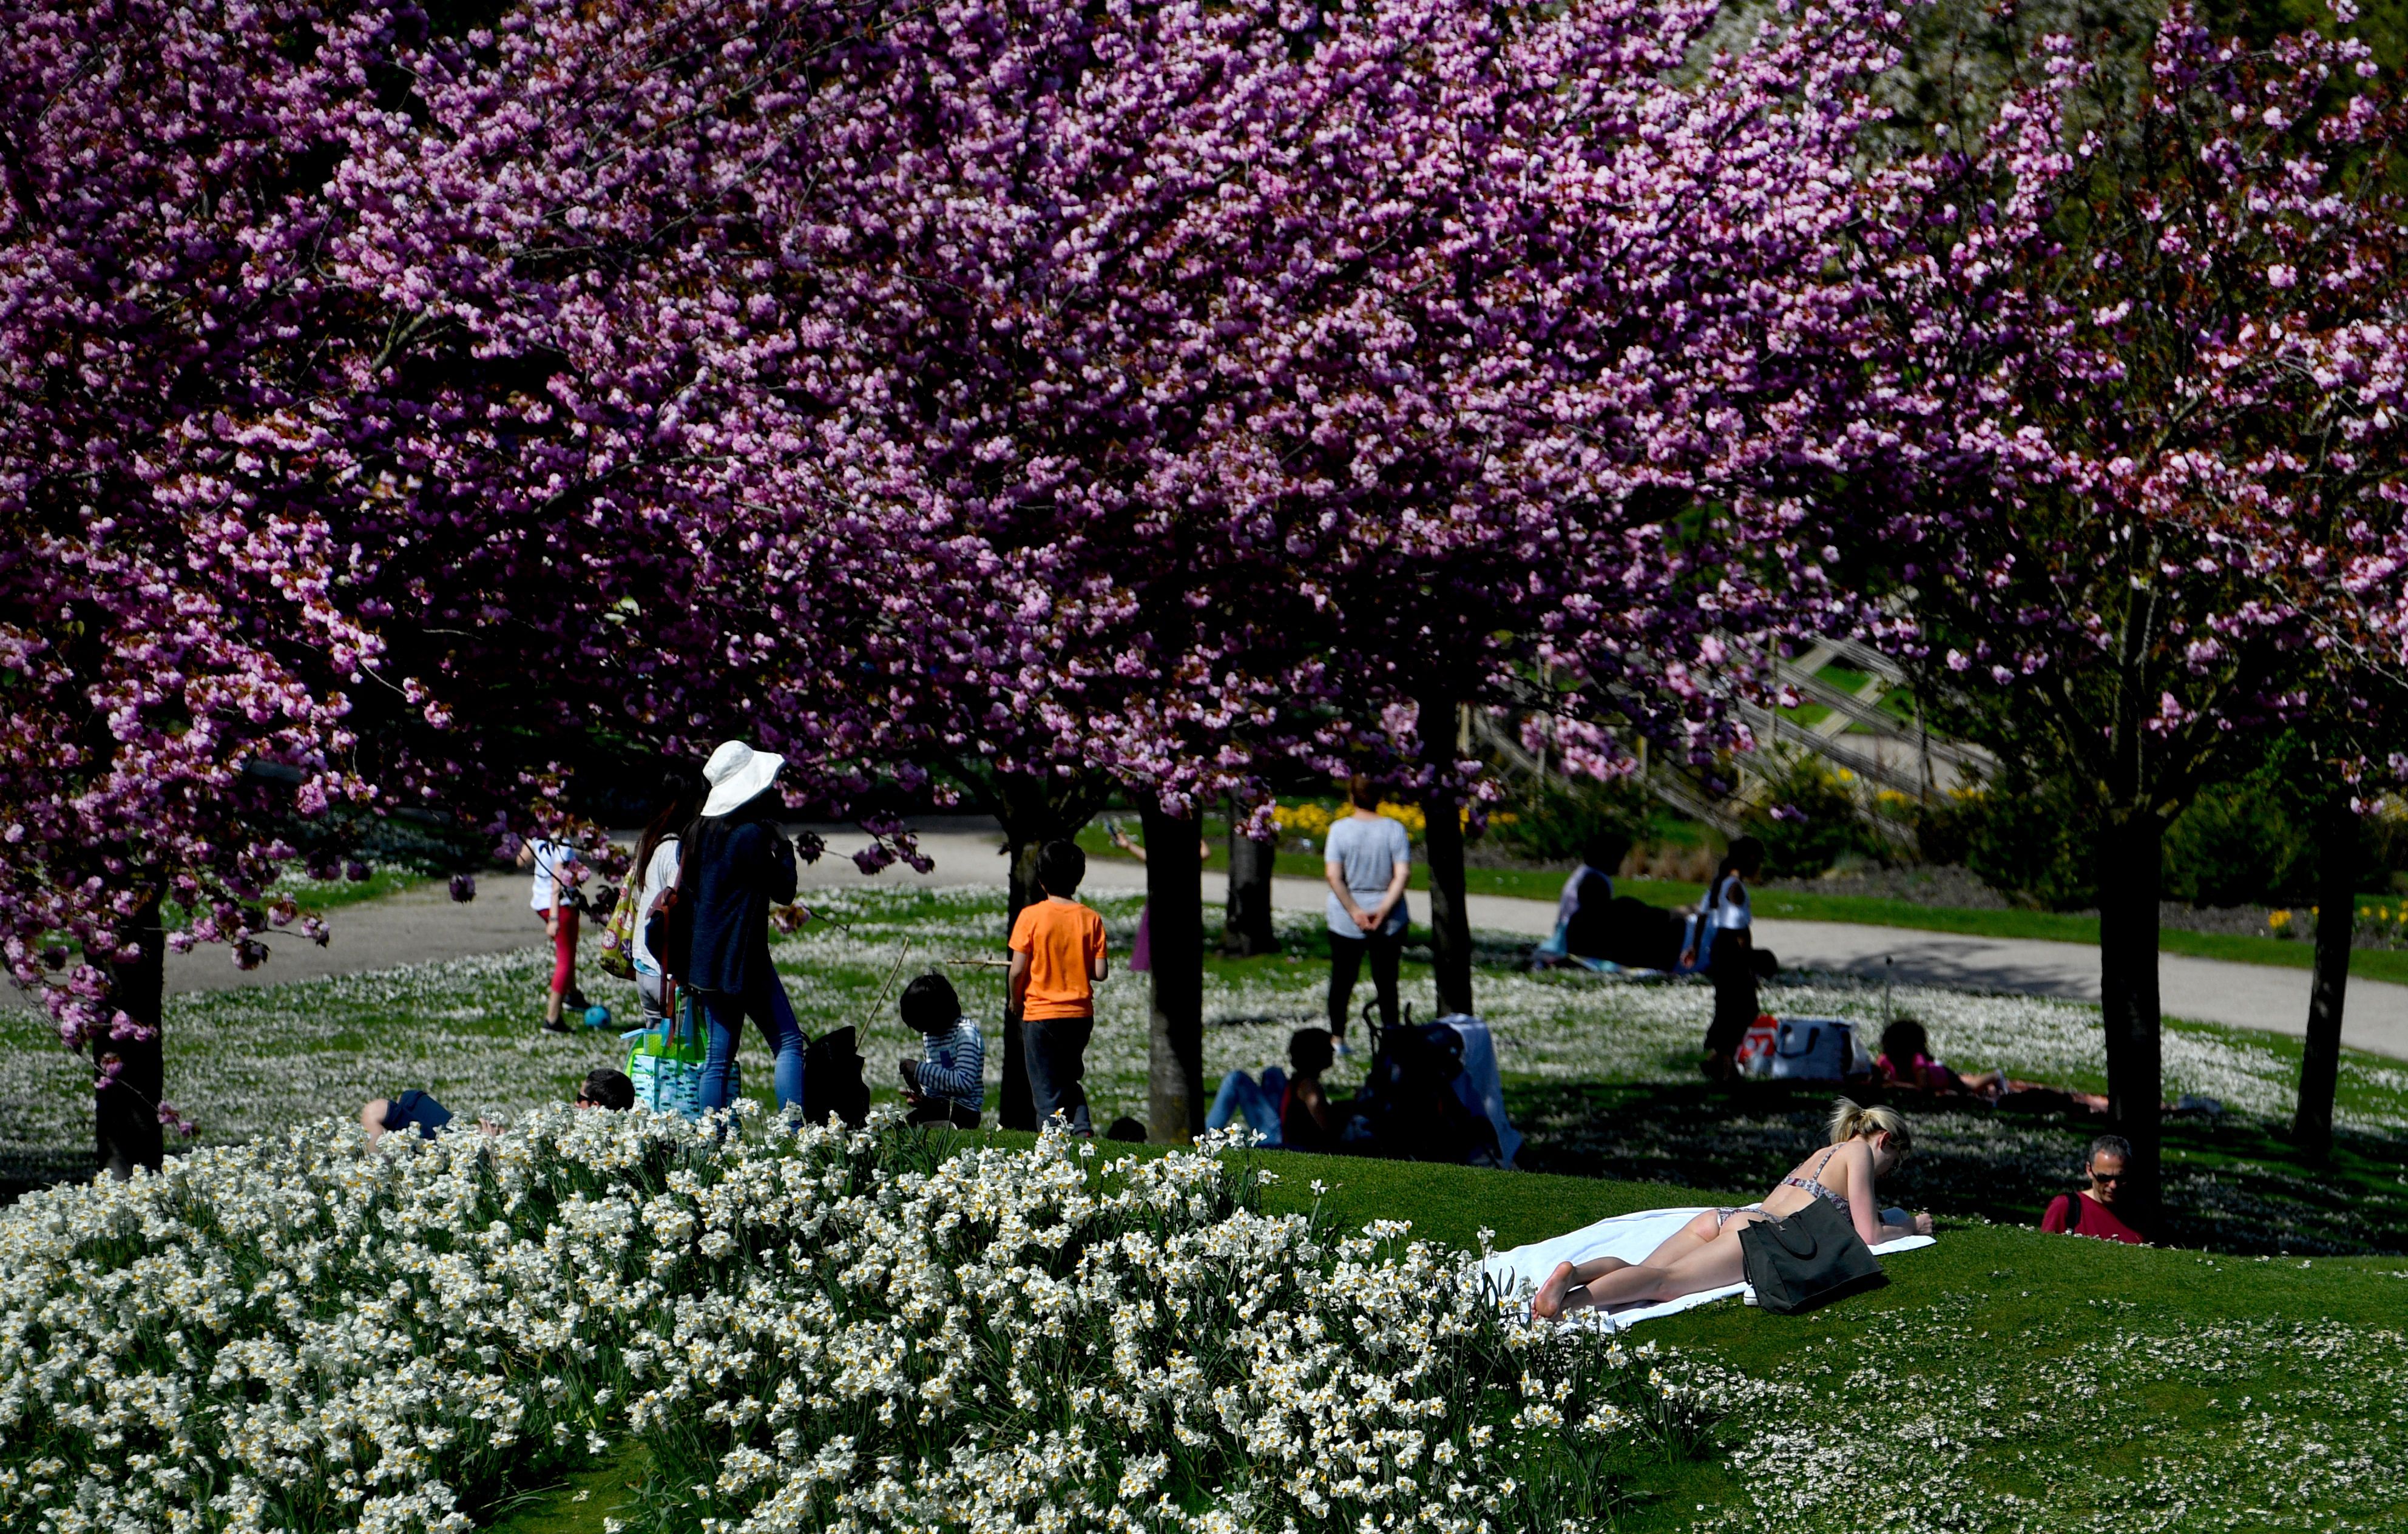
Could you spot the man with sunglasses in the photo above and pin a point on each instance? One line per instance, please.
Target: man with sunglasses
(2092, 1211)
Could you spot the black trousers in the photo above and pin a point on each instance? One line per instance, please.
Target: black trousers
(1346, 955)
(943, 1111)
(1732, 966)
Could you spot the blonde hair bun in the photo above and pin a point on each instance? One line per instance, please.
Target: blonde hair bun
(1850, 1122)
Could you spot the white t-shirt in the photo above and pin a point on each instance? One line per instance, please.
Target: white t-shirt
(1731, 913)
(552, 860)
(659, 874)
(1367, 853)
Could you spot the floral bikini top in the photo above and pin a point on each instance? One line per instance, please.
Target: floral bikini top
(1813, 1182)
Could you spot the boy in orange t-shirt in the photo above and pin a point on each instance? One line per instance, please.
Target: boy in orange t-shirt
(1057, 957)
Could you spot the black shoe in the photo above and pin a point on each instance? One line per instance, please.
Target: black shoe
(556, 1024)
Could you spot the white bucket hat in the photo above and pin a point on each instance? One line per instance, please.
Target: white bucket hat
(737, 773)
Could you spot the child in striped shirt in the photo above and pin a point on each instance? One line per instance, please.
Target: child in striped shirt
(947, 1084)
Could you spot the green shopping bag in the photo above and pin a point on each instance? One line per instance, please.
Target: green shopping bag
(666, 1062)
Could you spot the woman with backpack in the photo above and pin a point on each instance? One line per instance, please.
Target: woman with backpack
(734, 865)
(655, 873)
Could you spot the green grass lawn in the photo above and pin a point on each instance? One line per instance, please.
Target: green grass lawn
(2002, 1380)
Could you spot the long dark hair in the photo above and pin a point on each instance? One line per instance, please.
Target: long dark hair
(1745, 853)
(682, 792)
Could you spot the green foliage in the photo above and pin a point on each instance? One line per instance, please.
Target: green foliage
(1553, 819)
(1810, 821)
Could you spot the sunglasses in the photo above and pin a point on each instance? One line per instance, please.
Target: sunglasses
(2106, 1177)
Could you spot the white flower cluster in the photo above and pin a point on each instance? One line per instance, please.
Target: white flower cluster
(809, 1327)
(1043, 1339)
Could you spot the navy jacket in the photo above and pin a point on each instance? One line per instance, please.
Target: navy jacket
(741, 872)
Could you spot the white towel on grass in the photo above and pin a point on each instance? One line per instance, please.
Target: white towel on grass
(1631, 1237)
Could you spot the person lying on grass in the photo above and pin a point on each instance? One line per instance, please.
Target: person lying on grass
(1866, 1142)
(419, 1113)
(1906, 1062)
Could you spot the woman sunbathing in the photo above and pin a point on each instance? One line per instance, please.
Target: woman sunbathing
(1704, 1253)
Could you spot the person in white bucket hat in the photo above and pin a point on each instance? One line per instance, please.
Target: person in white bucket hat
(738, 865)
(737, 775)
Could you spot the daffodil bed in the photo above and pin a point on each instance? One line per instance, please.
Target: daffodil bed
(805, 1328)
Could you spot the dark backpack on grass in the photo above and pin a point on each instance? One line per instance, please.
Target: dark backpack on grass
(832, 1080)
(1805, 1259)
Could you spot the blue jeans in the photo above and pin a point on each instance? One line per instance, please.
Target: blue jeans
(767, 1003)
(1259, 1101)
(1056, 1051)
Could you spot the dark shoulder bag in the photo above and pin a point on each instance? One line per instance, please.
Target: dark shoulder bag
(1805, 1259)
(668, 931)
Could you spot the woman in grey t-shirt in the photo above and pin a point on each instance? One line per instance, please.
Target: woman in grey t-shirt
(1367, 861)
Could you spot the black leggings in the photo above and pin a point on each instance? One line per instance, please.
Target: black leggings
(1346, 963)
(1733, 969)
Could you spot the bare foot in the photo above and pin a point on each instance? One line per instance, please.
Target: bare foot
(1548, 1302)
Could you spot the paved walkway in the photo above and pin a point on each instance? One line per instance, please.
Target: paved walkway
(425, 925)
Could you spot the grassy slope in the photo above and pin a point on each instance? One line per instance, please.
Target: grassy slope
(2008, 1299)
(1874, 911)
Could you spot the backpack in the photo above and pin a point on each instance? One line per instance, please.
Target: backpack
(618, 938)
(832, 1079)
(668, 931)
(1409, 1108)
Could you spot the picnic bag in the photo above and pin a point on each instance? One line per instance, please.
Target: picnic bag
(666, 1061)
(1805, 1259)
(1812, 1049)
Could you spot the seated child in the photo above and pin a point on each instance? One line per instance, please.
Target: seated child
(947, 1084)
(1290, 1112)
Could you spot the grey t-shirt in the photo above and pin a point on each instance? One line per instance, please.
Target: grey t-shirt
(1367, 852)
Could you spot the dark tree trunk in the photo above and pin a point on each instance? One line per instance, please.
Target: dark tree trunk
(2131, 847)
(125, 1114)
(1030, 819)
(2337, 857)
(1174, 896)
(1443, 840)
(1247, 931)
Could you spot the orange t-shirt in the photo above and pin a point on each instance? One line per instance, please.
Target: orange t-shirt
(1060, 939)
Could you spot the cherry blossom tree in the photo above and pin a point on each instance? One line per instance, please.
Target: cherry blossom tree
(2141, 349)
(362, 448)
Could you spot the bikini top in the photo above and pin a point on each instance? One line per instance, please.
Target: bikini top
(1813, 1182)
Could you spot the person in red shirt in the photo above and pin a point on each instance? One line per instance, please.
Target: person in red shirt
(2092, 1211)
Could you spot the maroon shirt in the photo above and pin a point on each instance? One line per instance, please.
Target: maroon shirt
(2079, 1214)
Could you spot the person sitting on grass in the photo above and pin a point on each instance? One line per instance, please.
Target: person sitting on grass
(1704, 1253)
(947, 1084)
(2092, 1211)
(419, 1114)
(1289, 1111)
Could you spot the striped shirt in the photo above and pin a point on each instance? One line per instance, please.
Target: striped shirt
(953, 1065)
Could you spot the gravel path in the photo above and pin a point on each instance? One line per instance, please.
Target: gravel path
(426, 924)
